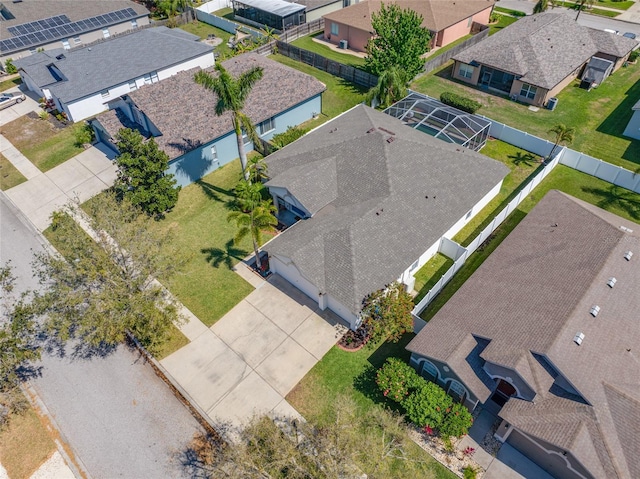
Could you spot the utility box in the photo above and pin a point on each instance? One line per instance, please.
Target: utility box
(344, 44)
(552, 103)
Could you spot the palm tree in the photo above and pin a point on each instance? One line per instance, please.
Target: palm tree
(581, 4)
(248, 195)
(563, 134)
(391, 87)
(232, 93)
(257, 169)
(541, 6)
(260, 219)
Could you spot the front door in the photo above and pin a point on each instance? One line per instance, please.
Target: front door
(486, 78)
(504, 390)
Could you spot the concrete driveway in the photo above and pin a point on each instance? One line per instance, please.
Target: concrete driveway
(248, 361)
(19, 109)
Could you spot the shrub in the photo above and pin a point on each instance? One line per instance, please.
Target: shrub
(280, 140)
(460, 102)
(43, 115)
(396, 379)
(428, 405)
(469, 472)
(494, 17)
(633, 56)
(84, 135)
(388, 312)
(9, 67)
(457, 421)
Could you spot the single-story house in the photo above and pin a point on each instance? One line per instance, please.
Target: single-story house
(633, 127)
(545, 333)
(448, 20)
(30, 26)
(533, 59)
(375, 198)
(83, 81)
(180, 114)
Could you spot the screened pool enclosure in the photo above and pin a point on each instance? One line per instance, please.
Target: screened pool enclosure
(441, 121)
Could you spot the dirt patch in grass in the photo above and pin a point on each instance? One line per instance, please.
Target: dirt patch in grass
(25, 445)
(9, 175)
(44, 144)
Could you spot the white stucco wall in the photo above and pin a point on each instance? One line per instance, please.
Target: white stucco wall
(474, 211)
(285, 268)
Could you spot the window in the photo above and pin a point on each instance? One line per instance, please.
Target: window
(105, 32)
(65, 44)
(528, 91)
(457, 391)
(266, 126)
(245, 138)
(104, 93)
(77, 40)
(134, 23)
(466, 71)
(334, 28)
(214, 152)
(429, 371)
(150, 78)
(133, 85)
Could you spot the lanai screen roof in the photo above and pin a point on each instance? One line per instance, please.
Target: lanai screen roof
(277, 7)
(441, 121)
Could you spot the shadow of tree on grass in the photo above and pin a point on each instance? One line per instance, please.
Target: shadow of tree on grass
(523, 158)
(229, 255)
(616, 196)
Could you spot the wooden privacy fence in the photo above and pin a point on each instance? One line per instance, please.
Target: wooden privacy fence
(440, 60)
(301, 30)
(347, 72)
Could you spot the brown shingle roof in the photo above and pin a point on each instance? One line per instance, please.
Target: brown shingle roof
(184, 111)
(533, 294)
(437, 14)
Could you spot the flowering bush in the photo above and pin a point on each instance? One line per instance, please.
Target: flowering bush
(428, 405)
(396, 379)
(457, 421)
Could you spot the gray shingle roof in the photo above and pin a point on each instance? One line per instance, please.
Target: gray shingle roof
(371, 219)
(32, 10)
(98, 67)
(279, 89)
(532, 295)
(544, 49)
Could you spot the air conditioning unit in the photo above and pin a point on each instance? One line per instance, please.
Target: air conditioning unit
(344, 44)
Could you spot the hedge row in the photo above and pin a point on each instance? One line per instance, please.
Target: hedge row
(460, 102)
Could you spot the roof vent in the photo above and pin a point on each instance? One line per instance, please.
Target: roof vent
(578, 338)
(390, 139)
(371, 130)
(611, 282)
(594, 310)
(628, 255)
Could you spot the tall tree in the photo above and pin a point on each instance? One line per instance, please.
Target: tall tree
(231, 96)
(142, 174)
(564, 134)
(100, 289)
(256, 219)
(391, 87)
(399, 40)
(258, 170)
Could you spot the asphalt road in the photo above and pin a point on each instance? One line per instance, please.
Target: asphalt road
(119, 418)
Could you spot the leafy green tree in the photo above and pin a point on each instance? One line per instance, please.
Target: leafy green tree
(100, 289)
(387, 312)
(457, 421)
(258, 218)
(142, 177)
(428, 405)
(18, 345)
(9, 67)
(399, 40)
(231, 96)
(541, 6)
(391, 87)
(396, 379)
(563, 134)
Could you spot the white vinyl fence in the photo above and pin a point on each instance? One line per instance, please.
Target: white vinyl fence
(601, 169)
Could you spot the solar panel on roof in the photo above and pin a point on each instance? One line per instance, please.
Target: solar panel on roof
(59, 27)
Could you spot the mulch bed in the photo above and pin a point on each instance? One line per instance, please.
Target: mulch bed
(353, 341)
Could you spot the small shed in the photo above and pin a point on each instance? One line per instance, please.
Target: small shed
(596, 71)
(276, 14)
(441, 121)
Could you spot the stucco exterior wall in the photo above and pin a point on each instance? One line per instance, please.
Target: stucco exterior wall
(474, 77)
(317, 13)
(357, 38)
(462, 28)
(287, 269)
(523, 389)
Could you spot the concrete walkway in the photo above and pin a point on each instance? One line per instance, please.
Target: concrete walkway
(81, 177)
(632, 14)
(248, 361)
(17, 159)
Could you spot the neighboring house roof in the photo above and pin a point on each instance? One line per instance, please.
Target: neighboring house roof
(281, 8)
(365, 177)
(279, 89)
(315, 4)
(75, 10)
(94, 68)
(544, 49)
(529, 299)
(437, 14)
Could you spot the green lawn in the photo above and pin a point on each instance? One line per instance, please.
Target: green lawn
(613, 4)
(580, 185)
(9, 175)
(307, 43)
(206, 284)
(599, 116)
(430, 274)
(504, 22)
(508, 11)
(339, 96)
(353, 374)
(10, 83)
(203, 30)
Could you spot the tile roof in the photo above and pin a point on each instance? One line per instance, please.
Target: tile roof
(436, 14)
(94, 68)
(179, 96)
(364, 176)
(75, 10)
(532, 295)
(544, 49)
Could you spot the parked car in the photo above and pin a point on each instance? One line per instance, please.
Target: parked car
(8, 99)
(629, 35)
(615, 32)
